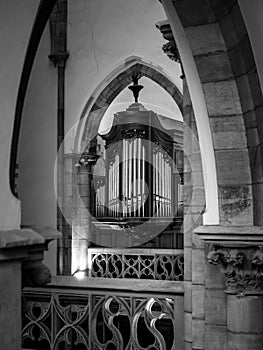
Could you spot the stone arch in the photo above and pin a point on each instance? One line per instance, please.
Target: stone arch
(42, 16)
(213, 41)
(111, 86)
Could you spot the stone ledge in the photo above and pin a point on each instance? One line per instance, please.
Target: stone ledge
(27, 236)
(22, 243)
(20, 238)
(48, 233)
(135, 285)
(231, 235)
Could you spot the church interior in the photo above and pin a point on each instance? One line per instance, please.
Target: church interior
(131, 175)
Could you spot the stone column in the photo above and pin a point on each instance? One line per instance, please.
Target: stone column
(242, 268)
(239, 253)
(59, 55)
(82, 225)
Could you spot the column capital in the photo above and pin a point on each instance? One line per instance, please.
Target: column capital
(239, 252)
(242, 267)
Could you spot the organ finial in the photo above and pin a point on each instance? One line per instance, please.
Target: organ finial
(135, 88)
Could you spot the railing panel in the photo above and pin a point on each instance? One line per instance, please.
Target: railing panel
(82, 318)
(156, 264)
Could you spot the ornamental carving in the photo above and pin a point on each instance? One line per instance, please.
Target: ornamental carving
(170, 49)
(121, 264)
(98, 320)
(134, 133)
(242, 267)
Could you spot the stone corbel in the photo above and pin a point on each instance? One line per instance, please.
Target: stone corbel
(239, 253)
(26, 246)
(34, 272)
(169, 48)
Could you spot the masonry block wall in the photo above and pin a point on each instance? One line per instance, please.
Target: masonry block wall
(227, 70)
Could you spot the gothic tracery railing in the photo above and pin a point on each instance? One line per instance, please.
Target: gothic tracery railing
(156, 264)
(83, 318)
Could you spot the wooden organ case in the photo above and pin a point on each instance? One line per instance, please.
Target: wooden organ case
(143, 180)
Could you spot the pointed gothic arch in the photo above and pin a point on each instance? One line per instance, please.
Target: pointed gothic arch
(110, 88)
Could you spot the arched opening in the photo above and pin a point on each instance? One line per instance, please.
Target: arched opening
(89, 144)
(226, 100)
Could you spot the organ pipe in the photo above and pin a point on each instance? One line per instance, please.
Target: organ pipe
(139, 176)
(128, 187)
(125, 179)
(143, 178)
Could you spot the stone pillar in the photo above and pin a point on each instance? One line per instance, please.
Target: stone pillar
(239, 253)
(82, 225)
(21, 252)
(59, 56)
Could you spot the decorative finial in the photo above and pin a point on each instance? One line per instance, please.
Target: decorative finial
(135, 88)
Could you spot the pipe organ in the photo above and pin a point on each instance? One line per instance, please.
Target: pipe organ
(141, 168)
(135, 185)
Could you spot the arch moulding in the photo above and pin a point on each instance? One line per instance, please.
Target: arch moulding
(111, 87)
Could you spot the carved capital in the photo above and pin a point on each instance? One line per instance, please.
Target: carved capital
(59, 59)
(242, 267)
